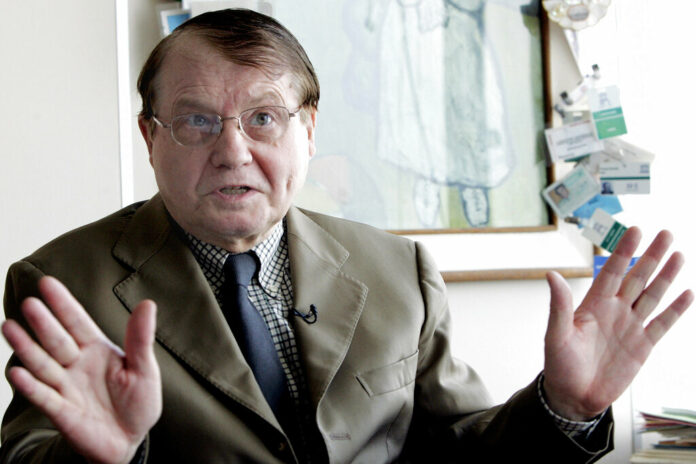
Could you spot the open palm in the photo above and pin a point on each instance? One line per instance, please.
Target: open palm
(592, 354)
(102, 400)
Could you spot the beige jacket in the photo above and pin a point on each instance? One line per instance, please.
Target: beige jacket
(377, 360)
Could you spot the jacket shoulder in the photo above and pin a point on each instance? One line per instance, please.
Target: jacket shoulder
(73, 248)
(380, 254)
(348, 231)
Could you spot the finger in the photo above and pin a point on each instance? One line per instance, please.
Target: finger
(648, 301)
(609, 280)
(52, 336)
(39, 394)
(140, 336)
(69, 311)
(663, 322)
(561, 307)
(638, 276)
(32, 356)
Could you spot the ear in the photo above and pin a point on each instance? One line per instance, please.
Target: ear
(145, 127)
(311, 125)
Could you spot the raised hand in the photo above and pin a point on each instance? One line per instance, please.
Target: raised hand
(102, 400)
(592, 354)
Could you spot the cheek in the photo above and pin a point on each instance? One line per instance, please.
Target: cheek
(296, 170)
(164, 169)
(301, 173)
(298, 164)
(279, 167)
(175, 173)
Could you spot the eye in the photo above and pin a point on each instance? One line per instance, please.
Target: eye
(261, 117)
(199, 120)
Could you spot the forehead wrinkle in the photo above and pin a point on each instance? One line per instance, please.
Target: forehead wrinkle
(198, 98)
(267, 98)
(192, 102)
(219, 85)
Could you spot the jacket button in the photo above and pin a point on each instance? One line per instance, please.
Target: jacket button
(282, 447)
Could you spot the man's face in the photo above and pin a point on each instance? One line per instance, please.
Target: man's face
(233, 190)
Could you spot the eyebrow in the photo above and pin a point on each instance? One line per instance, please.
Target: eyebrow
(190, 104)
(267, 98)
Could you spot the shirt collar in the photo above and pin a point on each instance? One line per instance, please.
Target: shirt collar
(212, 258)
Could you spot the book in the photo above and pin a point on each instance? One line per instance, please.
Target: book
(663, 456)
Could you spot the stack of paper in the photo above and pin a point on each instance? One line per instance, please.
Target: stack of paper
(663, 456)
(676, 429)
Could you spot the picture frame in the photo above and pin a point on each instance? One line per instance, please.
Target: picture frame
(171, 15)
(336, 174)
(433, 114)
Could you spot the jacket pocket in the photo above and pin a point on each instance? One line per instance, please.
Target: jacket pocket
(391, 377)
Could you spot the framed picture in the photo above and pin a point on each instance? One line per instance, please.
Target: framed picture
(432, 114)
(431, 125)
(171, 16)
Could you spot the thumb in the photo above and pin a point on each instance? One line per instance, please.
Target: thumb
(561, 306)
(140, 335)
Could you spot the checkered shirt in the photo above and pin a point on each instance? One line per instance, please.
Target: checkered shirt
(270, 291)
(574, 429)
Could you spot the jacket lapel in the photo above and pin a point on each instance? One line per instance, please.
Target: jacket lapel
(316, 259)
(190, 323)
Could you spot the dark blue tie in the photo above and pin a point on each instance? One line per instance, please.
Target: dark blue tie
(251, 331)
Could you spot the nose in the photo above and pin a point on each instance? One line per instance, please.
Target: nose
(231, 149)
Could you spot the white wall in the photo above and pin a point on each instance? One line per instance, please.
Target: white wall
(656, 74)
(143, 36)
(58, 124)
(59, 132)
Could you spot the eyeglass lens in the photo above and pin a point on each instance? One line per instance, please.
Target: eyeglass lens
(265, 124)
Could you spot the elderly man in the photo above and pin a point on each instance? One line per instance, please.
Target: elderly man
(282, 335)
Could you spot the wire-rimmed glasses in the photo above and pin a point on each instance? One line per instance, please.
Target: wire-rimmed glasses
(263, 124)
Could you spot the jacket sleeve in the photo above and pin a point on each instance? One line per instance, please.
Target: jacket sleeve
(453, 420)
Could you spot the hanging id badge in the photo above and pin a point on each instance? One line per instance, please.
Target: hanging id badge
(607, 113)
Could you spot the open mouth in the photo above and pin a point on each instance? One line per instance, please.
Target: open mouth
(237, 190)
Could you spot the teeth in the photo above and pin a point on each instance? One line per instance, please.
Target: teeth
(234, 190)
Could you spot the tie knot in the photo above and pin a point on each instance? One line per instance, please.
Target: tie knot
(240, 268)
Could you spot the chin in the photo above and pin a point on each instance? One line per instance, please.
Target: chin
(232, 230)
